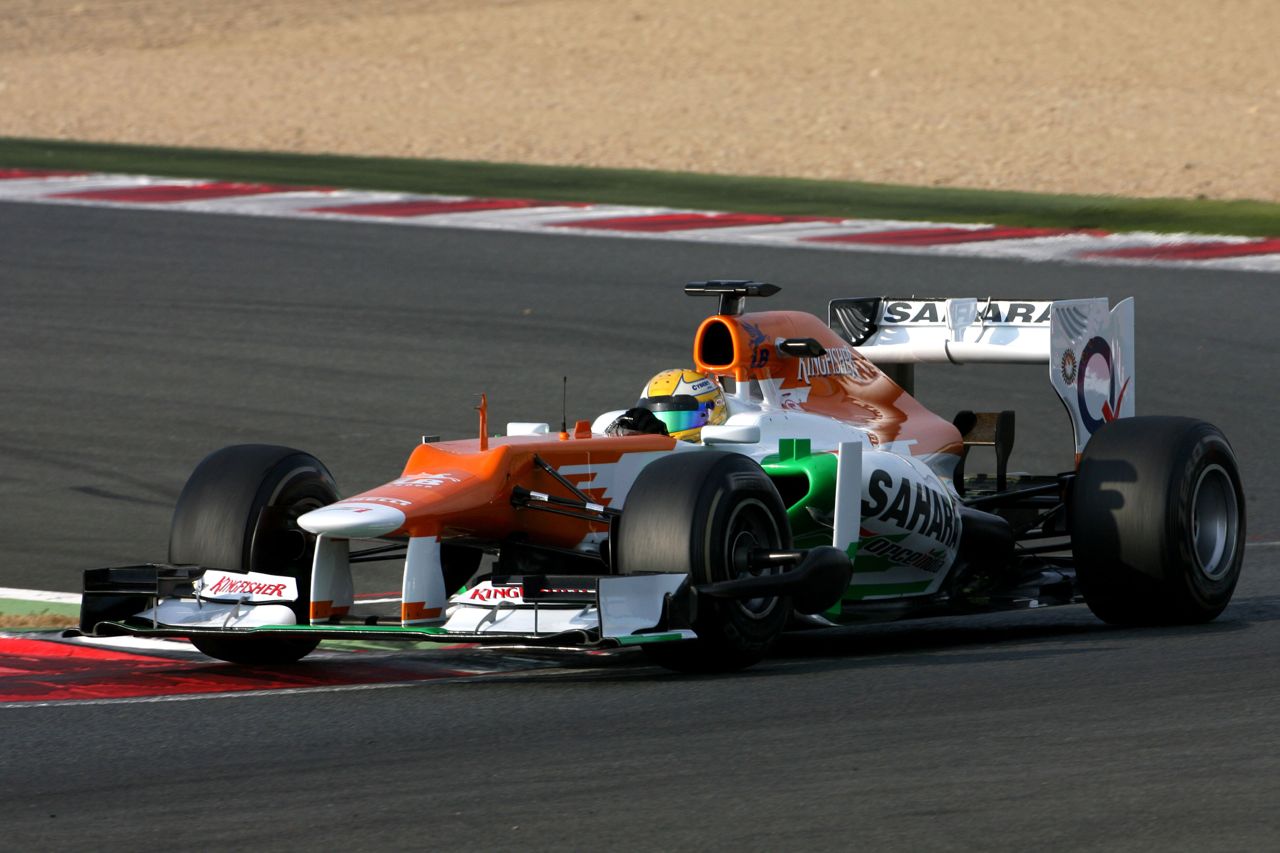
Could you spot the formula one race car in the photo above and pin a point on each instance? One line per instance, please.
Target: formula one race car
(828, 495)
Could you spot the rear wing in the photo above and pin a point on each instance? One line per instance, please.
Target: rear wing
(1087, 345)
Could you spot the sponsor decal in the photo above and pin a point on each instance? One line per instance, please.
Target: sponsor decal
(1015, 312)
(907, 312)
(229, 585)
(1093, 380)
(837, 362)
(226, 585)
(486, 593)
(896, 554)
(568, 590)
(702, 386)
(378, 499)
(1029, 313)
(1068, 366)
(425, 480)
(911, 505)
(756, 339)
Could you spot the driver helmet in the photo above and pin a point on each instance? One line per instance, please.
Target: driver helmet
(686, 401)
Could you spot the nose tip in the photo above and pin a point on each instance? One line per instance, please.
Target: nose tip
(353, 520)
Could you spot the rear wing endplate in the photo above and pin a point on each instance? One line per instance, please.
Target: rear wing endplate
(1087, 345)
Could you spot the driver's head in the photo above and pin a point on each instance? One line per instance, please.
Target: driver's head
(686, 401)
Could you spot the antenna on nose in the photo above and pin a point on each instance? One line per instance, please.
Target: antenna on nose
(483, 409)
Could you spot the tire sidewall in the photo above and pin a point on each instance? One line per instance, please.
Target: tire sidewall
(1182, 568)
(1131, 509)
(679, 517)
(301, 484)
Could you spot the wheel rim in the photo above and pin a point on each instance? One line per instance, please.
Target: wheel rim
(751, 526)
(296, 510)
(1215, 522)
(295, 495)
(280, 545)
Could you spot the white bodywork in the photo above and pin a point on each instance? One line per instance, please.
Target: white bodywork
(353, 519)
(229, 600)
(624, 606)
(1091, 363)
(423, 598)
(846, 523)
(186, 613)
(959, 331)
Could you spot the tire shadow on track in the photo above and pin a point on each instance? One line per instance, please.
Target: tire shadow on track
(939, 635)
(1255, 608)
(934, 642)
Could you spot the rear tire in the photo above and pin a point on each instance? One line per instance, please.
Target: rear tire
(239, 512)
(1158, 522)
(699, 513)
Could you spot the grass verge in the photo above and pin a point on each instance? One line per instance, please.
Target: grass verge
(668, 189)
(37, 622)
(20, 614)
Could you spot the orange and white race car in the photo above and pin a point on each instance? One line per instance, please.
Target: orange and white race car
(823, 493)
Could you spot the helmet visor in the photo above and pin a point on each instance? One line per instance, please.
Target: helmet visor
(679, 412)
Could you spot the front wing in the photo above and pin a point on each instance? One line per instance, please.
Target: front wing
(158, 600)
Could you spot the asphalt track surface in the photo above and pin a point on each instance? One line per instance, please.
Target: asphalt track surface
(136, 342)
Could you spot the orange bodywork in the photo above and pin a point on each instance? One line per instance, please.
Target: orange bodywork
(843, 384)
(456, 489)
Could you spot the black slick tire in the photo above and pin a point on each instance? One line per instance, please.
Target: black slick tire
(239, 512)
(698, 513)
(1158, 522)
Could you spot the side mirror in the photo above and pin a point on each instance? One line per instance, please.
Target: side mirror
(799, 347)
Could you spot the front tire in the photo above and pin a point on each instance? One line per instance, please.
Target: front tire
(239, 512)
(1158, 522)
(700, 513)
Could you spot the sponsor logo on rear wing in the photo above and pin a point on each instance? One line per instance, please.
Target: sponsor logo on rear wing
(958, 331)
(989, 312)
(1091, 364)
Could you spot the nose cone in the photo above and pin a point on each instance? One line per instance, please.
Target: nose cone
(355, 520)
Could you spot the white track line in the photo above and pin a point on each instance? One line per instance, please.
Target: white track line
(40, 595)
(291, 203)
(289, 691)
(242, 694)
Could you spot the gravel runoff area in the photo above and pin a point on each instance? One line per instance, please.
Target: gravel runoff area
(1125, 97)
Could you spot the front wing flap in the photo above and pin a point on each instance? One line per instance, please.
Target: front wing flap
(565, 639)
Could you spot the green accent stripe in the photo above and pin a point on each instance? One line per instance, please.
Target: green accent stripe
(380, 646)
(356, 629)
(640, 639)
